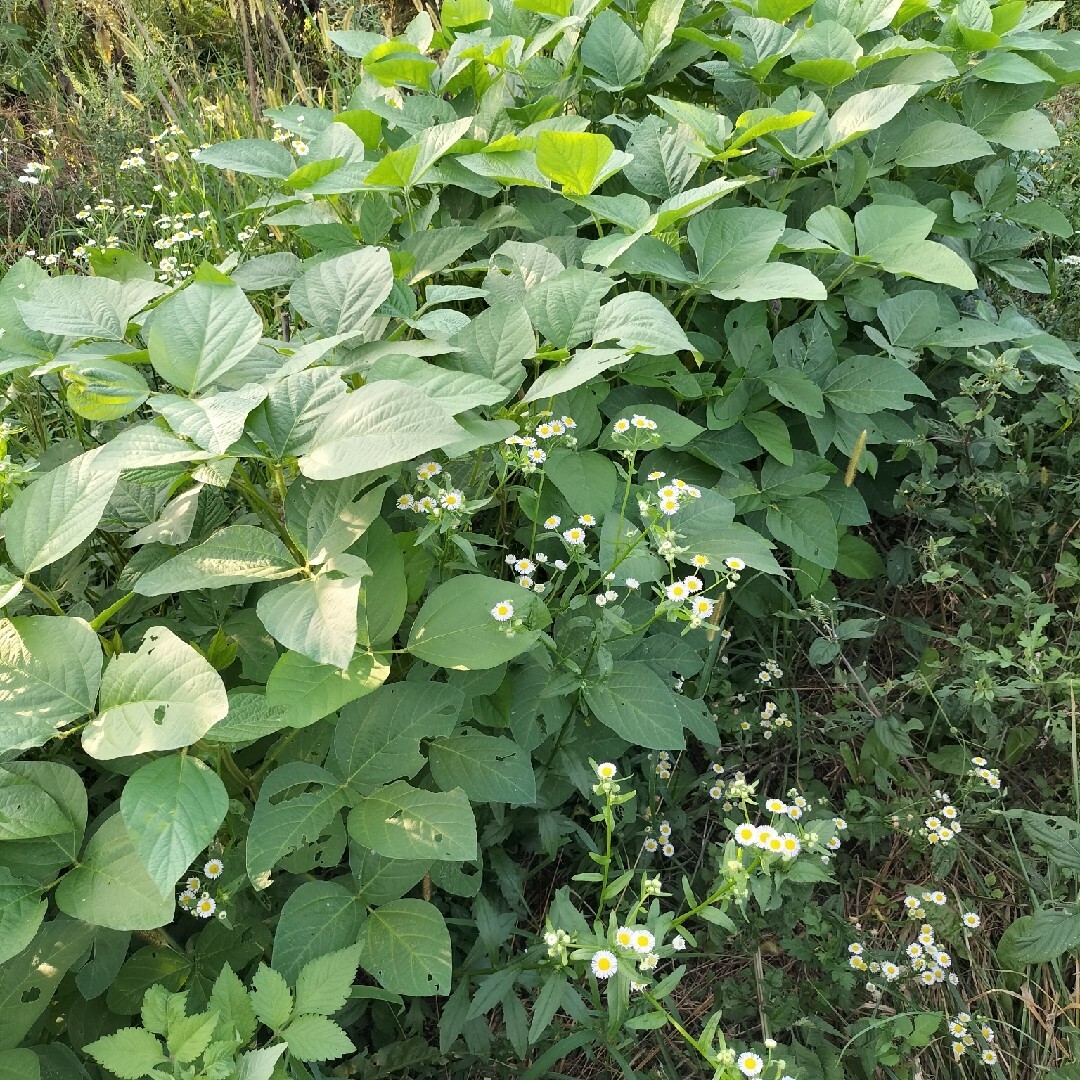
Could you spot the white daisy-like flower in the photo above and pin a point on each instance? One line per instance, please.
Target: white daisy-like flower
(604, 964)
(587, 520)
(452, 500)
(633, 583)
(206, 906)
(607, 770)
(676, 591)
(624, 937)
(776, 806)
(553, 522)
(642, 941)
(668, 849)
(750, 1064)
(735, 564)
(665, 829)
(656, 475)
(187, 899)
(193, 884)
(575, 537)
(405, 502)
(503, 611)
(214, 869)
(622, 425)
(651, 843)
(971, 920)
(678, 943)
(746, 834)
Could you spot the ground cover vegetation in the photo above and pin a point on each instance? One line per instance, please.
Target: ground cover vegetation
(548, 549)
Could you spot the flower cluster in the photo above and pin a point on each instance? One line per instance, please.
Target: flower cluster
(990, 776)
(770, 670)
(195, 899)
(944, 825)
(771, 720)
(524, 452)
(664, 765)
(668, 497)
(434, 500)
(662, 844)
(737, 790)
(963, 1041)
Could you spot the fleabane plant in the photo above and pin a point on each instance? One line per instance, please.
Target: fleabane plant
(599, 325)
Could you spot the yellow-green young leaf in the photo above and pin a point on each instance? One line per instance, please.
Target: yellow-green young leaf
(403, 822)
(172, 808)
(104, 389)
(110, 887)
(462, 626)
(189, 1036)
(399, 63)
(198, 334)
(50, 671)
(229, 999)
(316, 1038)
(456, 14)
(21, 911)
(55, 514)
(163, 697)
(578, 160)
(271, 998)
(406, 946)
(557, 9)
(129, 1053)
(324, 983)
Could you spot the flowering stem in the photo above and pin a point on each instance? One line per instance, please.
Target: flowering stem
(608, 830)
(677, 1026)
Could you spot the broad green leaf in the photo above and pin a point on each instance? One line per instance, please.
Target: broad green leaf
(564, 307)
(406, 946)
(253, 157)
(376, 426)
(339, 296)
(198, 334)
(578, 160)
(79, 307)
(640, 323)
(487, 768)
(283, 822)
(1030, 130)
(317, 617)
(378, 739)
(174, 524)
(50, 671)
(324, 983)
(318, 917)
(130, 1053)
(1058, 836)
(455, 628)
(892, 237)
(910, 319)
(23, 1064)
(808, 527)
(384, 598)
(229, 998)
(869, 384)
(586, 479)
(59, 511)
(250, 717)
(308, 691)
(27, 984)
(706, 527)
(325, 517)
(172, 808)
(865, 112)
(583, 366)
(494, 344)
(27, 810)
(796, 390)
(104, 389)
(941, 143)
(636, 704)
(288, 417)
(832, 225)
(773, 281)
(1045, 936)
(403, 822)
(213, 422)
(728, 243)
(455, 391)
(110, 887)
(1007, 67)
(380, 880)
(21, 910)
(316, 1038)
(663, 158)
(162, 697)
(235, 555)
(613, 52)
(37, 859)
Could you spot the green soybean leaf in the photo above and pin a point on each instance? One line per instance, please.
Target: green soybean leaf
(50, 671)
(318, 917)
(340, 295)
(640, 323)
(487, 768)
(21, 912)
(235, 555)
(456, 627)
(58, 512)
(378, 739)
(172, 808)
(636, 704)
(105, 389)
(109, 886)
(613, 52)
(253, 157)
(865, 112)
(378, 425)
(869, 384)
(308, 690)
(162, 697)
(403, 822)
(941, 143)
(297, 801)
(406, 946)
(198, 334)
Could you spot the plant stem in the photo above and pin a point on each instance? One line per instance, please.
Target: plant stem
(100, 620)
